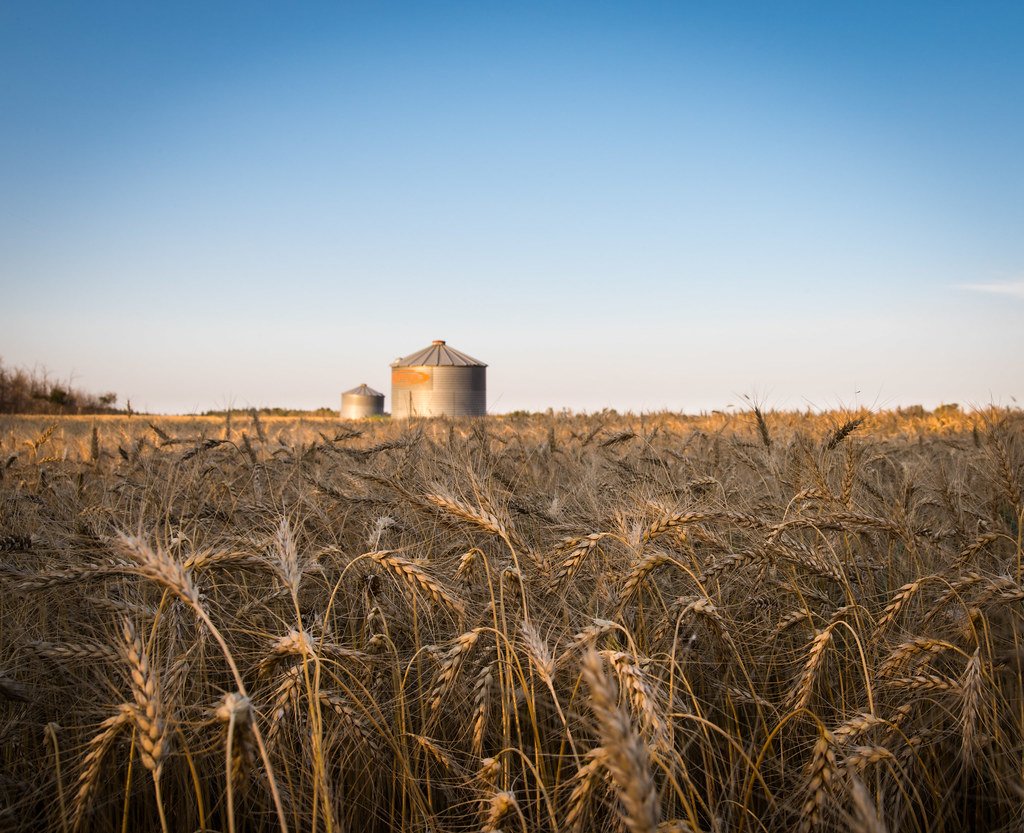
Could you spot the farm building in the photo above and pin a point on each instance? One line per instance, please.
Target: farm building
(438, 381)
(360, 402)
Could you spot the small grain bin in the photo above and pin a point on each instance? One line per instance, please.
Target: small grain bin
(438, 381)
(361, 402)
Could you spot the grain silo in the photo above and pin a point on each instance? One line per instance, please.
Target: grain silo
(438, 381)
(361, 402)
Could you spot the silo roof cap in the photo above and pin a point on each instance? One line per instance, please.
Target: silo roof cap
(438, 354)
(363, 390)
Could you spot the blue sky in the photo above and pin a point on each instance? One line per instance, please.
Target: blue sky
(630, 205)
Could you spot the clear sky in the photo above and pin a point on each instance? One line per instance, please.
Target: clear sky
(634, 205)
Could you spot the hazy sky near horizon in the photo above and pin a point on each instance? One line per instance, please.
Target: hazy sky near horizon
(635, 205)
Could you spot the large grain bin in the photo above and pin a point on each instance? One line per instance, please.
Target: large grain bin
(438, 381)
(361, 402)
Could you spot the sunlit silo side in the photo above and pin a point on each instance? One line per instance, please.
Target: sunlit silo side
(438, 381)
(361, 402)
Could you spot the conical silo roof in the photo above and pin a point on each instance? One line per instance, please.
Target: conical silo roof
(438, 354)
(363, 390)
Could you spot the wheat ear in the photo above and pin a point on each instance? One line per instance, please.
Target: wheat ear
(971, 684)
(899, 601)
(912, 649)
(638, 691)
(153, 734)
(451, 663)
(820, 770)
(93, 760)
(627, 760)
(416, 579)
(499, 806)
(578, 549)
(641, 569)
(586, 779)
(482, 689)
(815, 657)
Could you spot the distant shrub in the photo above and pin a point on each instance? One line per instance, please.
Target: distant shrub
(274, 412)
(33, 392)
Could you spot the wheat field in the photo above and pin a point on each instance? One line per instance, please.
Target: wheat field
(751, 622)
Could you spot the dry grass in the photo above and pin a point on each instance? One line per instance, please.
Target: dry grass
(729, 623)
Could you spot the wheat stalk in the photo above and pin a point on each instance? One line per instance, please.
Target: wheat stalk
(474, 517)
(235, 712)
(46, 579)
(490, 771)
(205, 559)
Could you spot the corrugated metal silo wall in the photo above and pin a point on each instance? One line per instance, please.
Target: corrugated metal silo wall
(354, 406)
(438, 391)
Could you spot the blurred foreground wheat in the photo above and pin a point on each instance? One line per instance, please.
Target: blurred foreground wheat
(764, 621)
